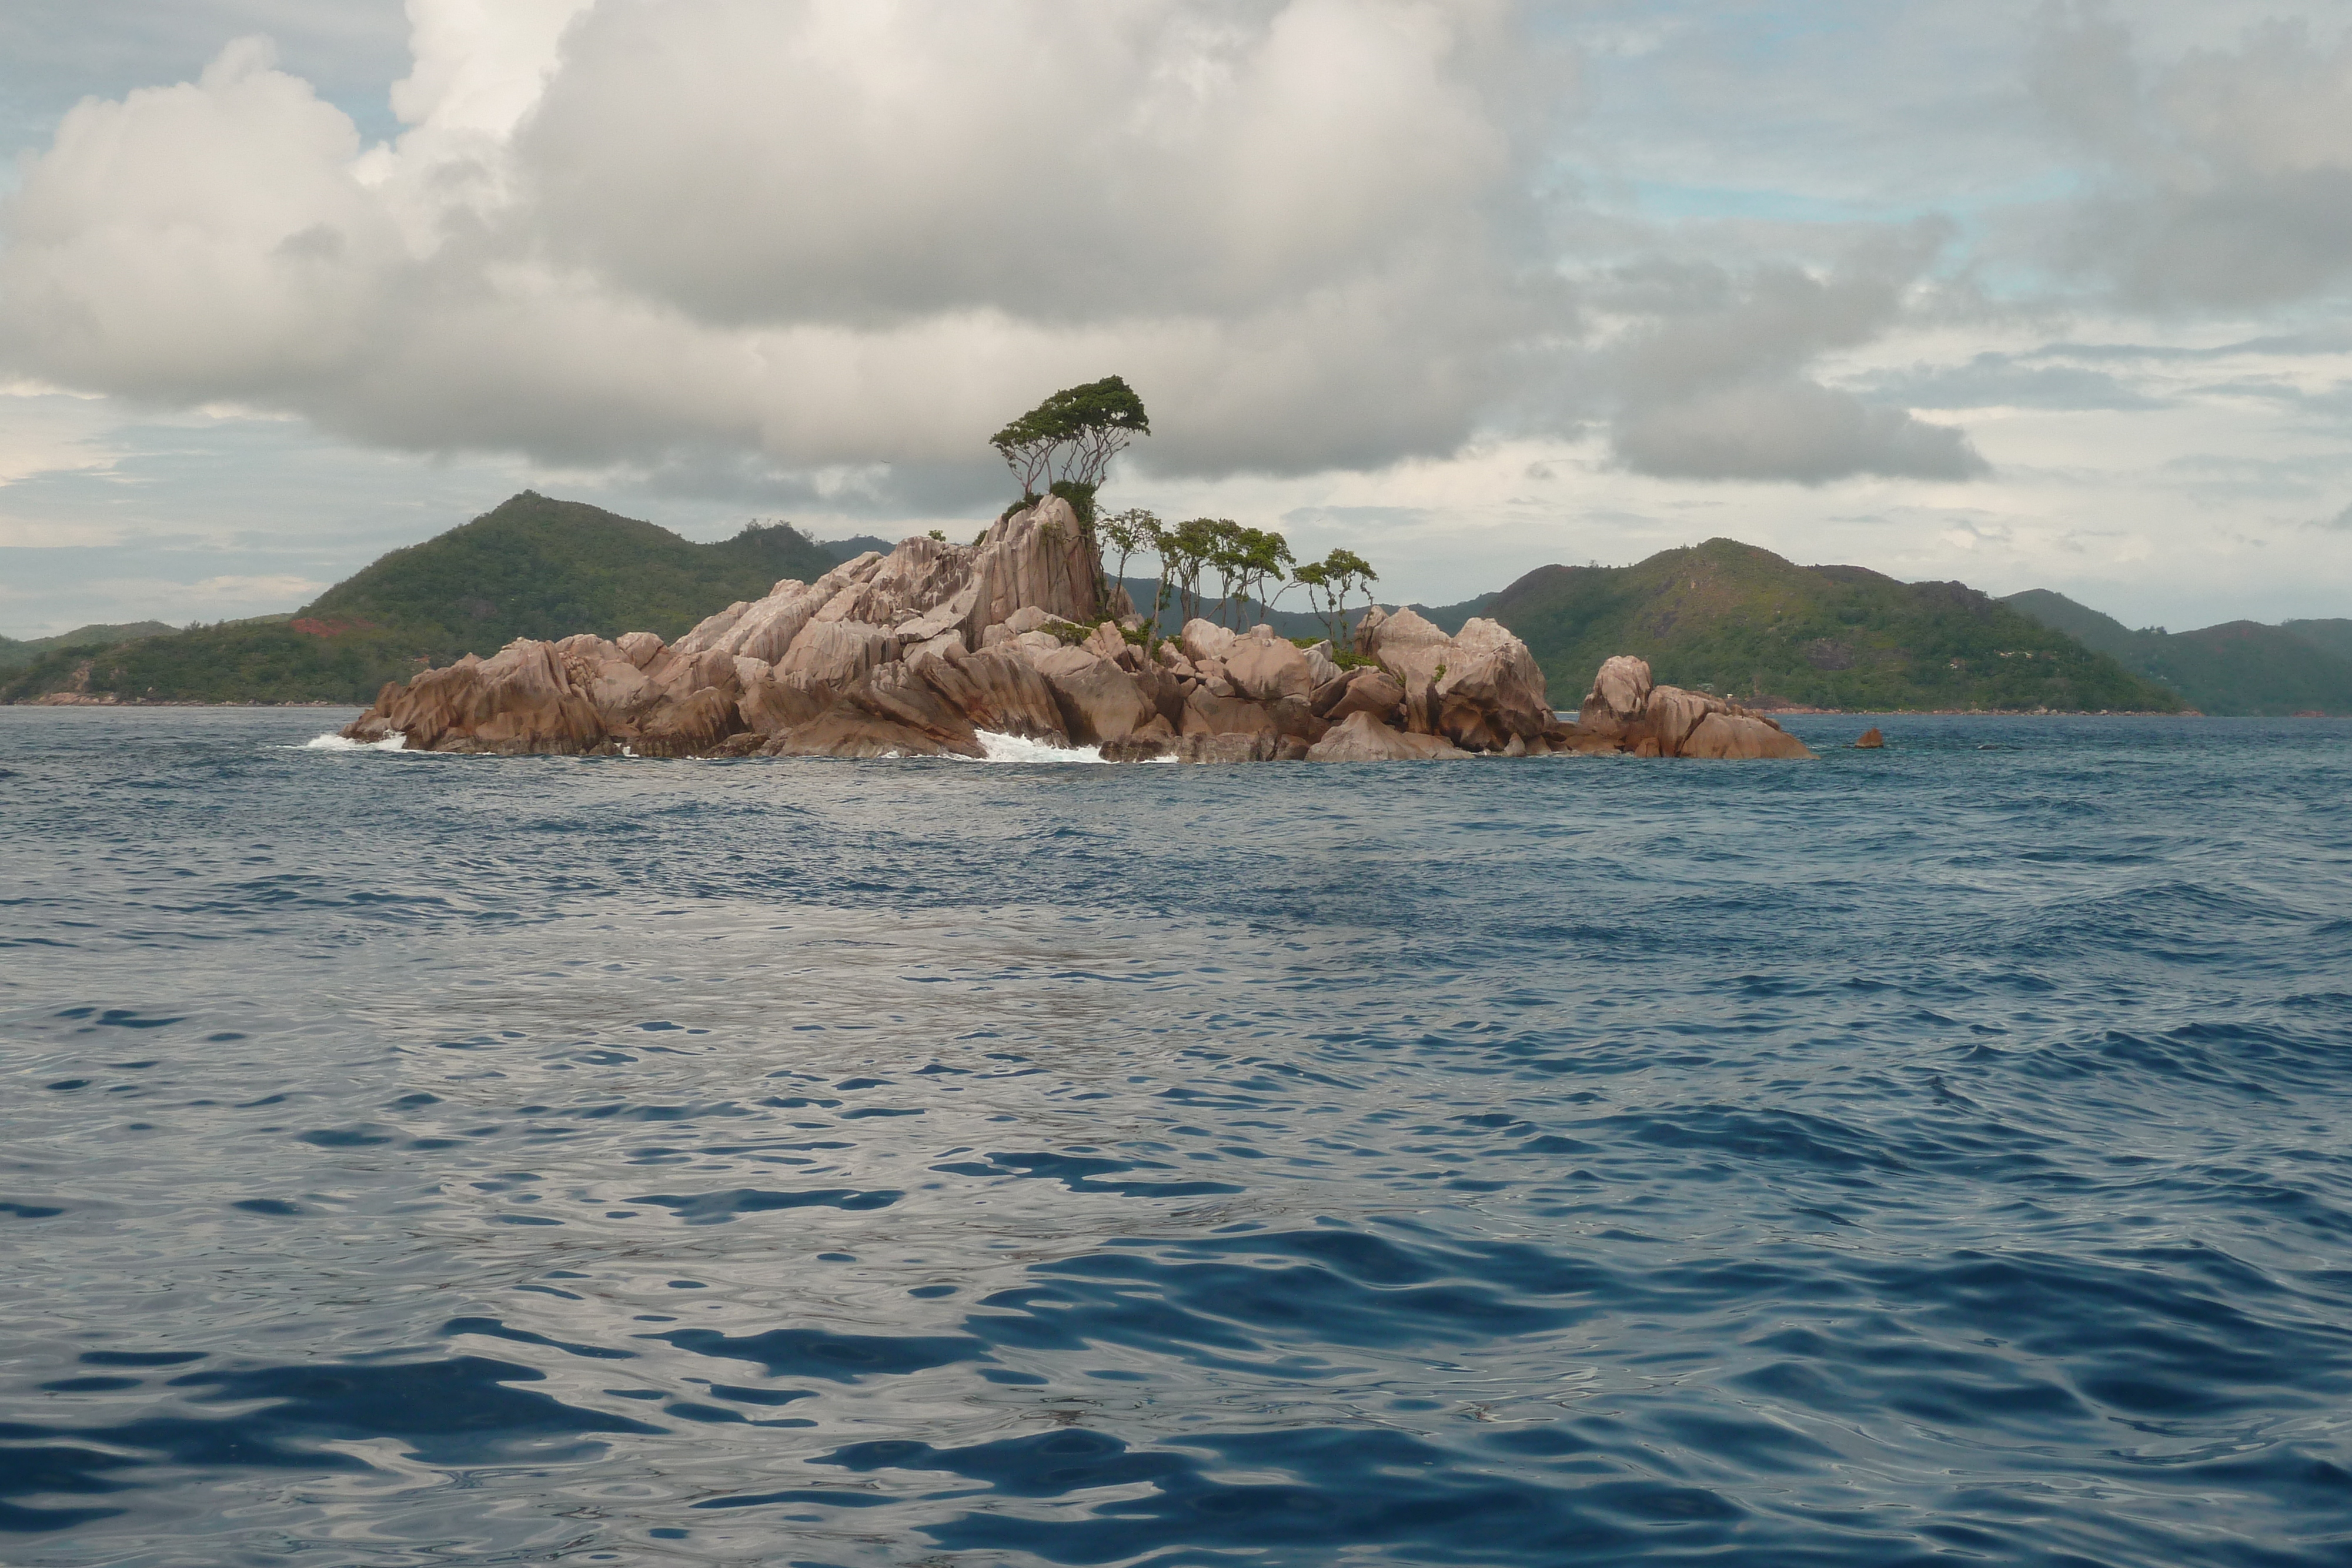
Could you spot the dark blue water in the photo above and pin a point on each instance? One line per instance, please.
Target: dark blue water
(1935, 1156)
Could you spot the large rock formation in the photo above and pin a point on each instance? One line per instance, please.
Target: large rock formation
(1625, 712)
(928, 650)
(1364, 739)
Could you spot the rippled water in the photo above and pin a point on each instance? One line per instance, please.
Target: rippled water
(1935, 1155)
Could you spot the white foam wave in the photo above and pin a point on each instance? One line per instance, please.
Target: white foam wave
(395, 741)
(1020, 748)
(999, 747)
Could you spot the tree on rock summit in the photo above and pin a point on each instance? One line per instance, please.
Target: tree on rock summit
(1070, 438)
(1068, 443)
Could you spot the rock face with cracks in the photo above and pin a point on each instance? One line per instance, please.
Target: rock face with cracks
(1625, 712)
(926, 651)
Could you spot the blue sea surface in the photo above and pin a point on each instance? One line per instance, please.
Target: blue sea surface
(1932, 1156)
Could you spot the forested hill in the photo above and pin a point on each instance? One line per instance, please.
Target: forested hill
(2237, 667)
(1732, 619)
(2328, 636)
(531, 568)
(1721, 616)
(16, 654)
(542, 568)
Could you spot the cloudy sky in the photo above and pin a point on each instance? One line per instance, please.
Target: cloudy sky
(2024, 294)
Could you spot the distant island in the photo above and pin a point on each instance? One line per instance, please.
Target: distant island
(2237, 667)
(1721, 619)
(16, 654)
(531, 568)
(938, 649)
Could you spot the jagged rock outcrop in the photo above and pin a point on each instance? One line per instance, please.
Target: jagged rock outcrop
(1033, 558)
(1100, 702)
(930, 649)
(1491, 691)
(1002, 693)
(1266, 666)
(1369, 689)
(1409, 647)
(1364, 739)
(1625, 711)
(835, 653)
(523, 700)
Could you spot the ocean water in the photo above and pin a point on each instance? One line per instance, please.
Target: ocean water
(1937, 1155)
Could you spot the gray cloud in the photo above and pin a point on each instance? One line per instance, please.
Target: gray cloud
(2227, 174)
(2281, 345)
(876, 491)
(1790, 430)
(1712, 386)
(754, 162)
(2004, 380)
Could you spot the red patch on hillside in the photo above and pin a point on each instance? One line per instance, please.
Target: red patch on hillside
(311, 626)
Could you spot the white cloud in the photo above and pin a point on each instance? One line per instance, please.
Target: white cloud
(195, 242)
(834, 232)
(43, 431)
(1714, 381)
(856, 161)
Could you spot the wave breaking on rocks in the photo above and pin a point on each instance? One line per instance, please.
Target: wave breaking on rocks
(945, 650)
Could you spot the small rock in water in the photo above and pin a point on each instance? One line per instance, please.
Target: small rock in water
(1870, 741)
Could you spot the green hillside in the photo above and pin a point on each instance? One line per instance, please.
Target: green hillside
(532, 567)
(1740, 621)
(263, 660)
(2328, 636)
(2100, 634)
(2239, 668)
(542, 568)
(16, 654)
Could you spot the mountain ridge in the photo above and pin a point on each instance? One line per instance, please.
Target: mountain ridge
(531, 567)
(1733, 619)
(2238, 668)
(1722, 617)
(15, 651)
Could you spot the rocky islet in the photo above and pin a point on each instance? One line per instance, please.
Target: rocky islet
(922, 651)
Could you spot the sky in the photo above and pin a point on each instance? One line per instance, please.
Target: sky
(2022, 294)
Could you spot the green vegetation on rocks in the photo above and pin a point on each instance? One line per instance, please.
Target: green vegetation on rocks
(1731, 619)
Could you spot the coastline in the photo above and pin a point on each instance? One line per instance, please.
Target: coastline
(77, 700)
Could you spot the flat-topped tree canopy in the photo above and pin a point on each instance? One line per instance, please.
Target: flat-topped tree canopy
(1072, 437)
